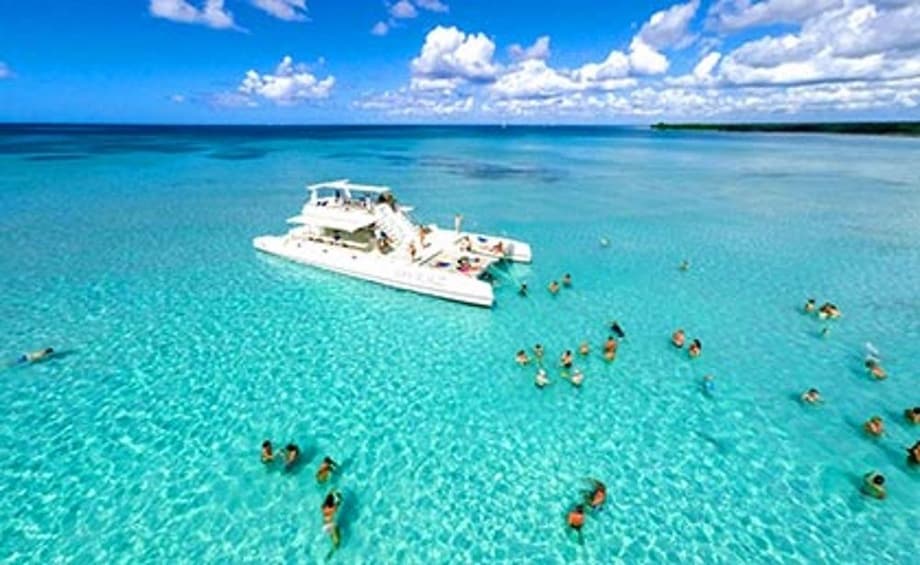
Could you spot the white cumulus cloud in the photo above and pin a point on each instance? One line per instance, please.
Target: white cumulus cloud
(432, 5)
(380, 29)
(539, 50)
(408, 103)
(735, 15)
(288, 10)
(403, 10)
(211, 13)
(449, 53)
(289, 84)
(669, 28)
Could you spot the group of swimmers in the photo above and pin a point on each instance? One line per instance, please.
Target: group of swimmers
(679, 338)
(592, 499)
(873, 482)
(292, 457)
(567, 360)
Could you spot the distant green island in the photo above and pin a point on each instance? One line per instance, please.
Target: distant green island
(863, 128)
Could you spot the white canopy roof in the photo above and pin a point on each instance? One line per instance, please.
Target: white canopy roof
(339, 219)
(348, 186)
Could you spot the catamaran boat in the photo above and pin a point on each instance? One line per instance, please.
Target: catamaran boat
(363, 232)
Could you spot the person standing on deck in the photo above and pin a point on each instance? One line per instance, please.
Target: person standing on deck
(458, 221)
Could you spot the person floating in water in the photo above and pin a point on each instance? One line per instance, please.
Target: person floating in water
(709, 384)
(584, 348)
(610, 349)
(617, 329)
(809, 306)
(291, 456)
(325, 469)
(913, 415)
(577, 378)
(330, 509)
(566, 280)
(875, 369)
(553, 287)
(695, 349)
(523, 289)
(521, 358)
(874, 426)
(829, 310)
(538, 352)
(541, 379)
(913, 454)
(678, 338)
(812, 396)
(36, 356)
(576, 521)
(874, 485)
(268, 454)
(566, 360)
(596, 497)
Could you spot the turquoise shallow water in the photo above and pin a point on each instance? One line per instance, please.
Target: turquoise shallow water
(130, 250)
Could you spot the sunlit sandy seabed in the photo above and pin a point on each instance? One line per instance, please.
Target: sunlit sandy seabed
(130, 251)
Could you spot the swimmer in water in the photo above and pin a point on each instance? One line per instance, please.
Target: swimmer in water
(566, 360)
(709, 384)
(584, 348)
(325, 469)
(523, 290)
(617, 329)
(36, 356)
(695, 349)
(521, 358)
(913, 415)
(330, 508)
(596, 497)
(812, 396)
(541, 380)
(828, 310)
(538, 351)
(610, 349)
(874, 426)
(874, 485)
(291, 456)
(875, 369)
(809, 306)
(268, 455)
(913, 454)
(566, 280)
(553, 287)
(678, 338)
(577, 378)
(685, 265)
(576, 521)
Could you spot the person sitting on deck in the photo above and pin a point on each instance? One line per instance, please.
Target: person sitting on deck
(498, 248)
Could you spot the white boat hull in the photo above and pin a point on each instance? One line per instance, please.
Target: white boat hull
(446, 284)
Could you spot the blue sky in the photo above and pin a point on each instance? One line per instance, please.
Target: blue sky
(539, 61)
